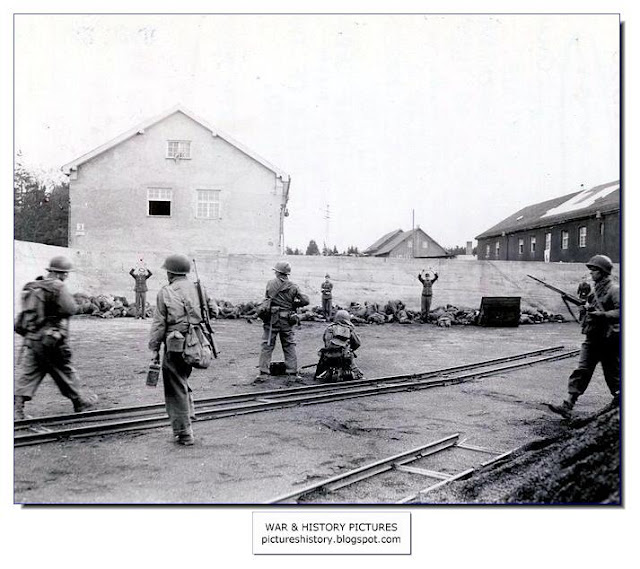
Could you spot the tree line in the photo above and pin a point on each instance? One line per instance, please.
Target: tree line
(40, 210)
(313, 249)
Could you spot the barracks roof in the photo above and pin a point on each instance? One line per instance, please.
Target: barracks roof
(604, 198)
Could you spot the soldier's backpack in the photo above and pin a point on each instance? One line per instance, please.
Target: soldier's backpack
(340, 336)
(32, 315)
(197, 352)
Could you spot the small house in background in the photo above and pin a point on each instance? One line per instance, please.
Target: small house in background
(176, 183)
(414, 244)
(569, 229)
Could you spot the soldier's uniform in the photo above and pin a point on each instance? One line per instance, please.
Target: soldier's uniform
(327, 297)
(46, 350)
(177, 305)
(601, 327)
(285, 298)
(140, 288)
(427, 293)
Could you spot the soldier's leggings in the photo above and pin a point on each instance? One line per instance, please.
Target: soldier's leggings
(37, 362)
(178, 396)
(287, 339)
(141, 304)
(425, 306)
(593, 351)
(326, 307)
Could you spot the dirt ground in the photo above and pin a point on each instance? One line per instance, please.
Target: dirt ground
(255, 458)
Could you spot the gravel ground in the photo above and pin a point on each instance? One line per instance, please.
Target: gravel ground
(255, 458)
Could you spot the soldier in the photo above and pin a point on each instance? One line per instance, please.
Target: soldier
(340, 343)
(177, 305)
(427, 283)
(47, 306)
(140, 288)
(584, 290)
(284, 297)
(326, 288)
(601, 326)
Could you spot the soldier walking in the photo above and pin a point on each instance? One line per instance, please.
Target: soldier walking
(427, 292)
(47, 306)
(327, 297)
(601, 326)
(285, 297)
(177, 306)
(140, 288)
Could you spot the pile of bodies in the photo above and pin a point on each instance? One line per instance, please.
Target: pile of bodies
(108, 306)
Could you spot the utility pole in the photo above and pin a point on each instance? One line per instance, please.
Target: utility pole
(327, 217)
(413, 232)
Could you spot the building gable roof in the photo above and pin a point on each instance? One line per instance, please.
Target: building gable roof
(380, 242)
(73, 165)
(391, 240)
(604, 199)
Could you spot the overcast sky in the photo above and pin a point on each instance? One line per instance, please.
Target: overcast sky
(464, 119)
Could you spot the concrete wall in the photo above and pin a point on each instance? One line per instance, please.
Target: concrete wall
(109, 195)
(240, 278)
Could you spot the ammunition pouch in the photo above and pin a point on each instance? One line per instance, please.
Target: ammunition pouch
(174, 342)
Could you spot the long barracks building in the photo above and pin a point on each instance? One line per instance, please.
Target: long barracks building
(569, 229)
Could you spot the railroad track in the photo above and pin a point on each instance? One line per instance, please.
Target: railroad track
(322, 492)
(122, 419)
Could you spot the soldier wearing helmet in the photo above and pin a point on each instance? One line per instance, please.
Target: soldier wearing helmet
(340, 343)
(282, 297)
(47, 306)
(140, 288)
(601, 326)
(327, 297)
(427, 292)
(177, 306)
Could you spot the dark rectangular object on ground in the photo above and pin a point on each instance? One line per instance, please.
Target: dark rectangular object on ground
(499, 311)
(277, 368)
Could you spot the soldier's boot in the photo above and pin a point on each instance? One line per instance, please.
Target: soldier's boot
(18, 408)
(85, 403)
(566, 407)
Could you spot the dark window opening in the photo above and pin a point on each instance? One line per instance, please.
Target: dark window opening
(159, 207)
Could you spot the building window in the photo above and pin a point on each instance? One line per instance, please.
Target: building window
(208, 204)
(520, 246)
(497, 249)
(487, 251)
(582, 236)
(159, 202)
(179, 149)
(533, 245)
(565, 239)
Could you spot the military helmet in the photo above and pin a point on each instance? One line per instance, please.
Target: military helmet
(600, 262)
(60, 264)
(327, 276)
(282, 267)
(342, 316)
(177, 264)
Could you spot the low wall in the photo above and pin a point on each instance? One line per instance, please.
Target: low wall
(240, 278)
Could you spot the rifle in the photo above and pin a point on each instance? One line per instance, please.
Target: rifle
(204, 312)
(566, 297)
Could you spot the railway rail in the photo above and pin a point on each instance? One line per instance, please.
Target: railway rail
(122, 419)
(400, 463)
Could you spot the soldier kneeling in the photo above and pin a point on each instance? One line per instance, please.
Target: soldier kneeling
(336, 358)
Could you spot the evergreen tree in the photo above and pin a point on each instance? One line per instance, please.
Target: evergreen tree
(312, 248)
